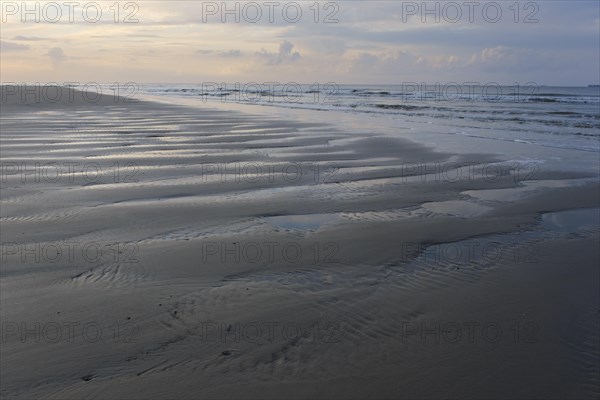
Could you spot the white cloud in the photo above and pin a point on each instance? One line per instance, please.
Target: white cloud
(506, 59)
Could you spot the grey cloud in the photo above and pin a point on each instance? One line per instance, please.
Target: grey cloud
(284, 55)
(226, 54)
(9, 46)
(57, 55)
(28, 38)
(231, 53)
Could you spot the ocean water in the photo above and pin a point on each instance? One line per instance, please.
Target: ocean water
(561, 117)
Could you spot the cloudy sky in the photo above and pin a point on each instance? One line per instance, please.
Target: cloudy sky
(341, 41)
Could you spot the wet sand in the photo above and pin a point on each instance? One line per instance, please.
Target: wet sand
(162, 251)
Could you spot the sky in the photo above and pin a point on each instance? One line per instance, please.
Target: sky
(346, 42)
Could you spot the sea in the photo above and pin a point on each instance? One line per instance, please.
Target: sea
(549, 116)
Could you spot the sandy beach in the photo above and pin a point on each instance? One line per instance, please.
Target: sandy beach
(155, 250)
